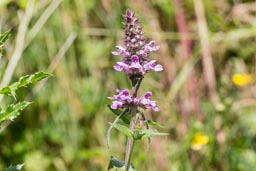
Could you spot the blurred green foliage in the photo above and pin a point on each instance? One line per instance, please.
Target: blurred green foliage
(65, 128)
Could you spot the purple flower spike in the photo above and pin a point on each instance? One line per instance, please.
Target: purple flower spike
(134, 37)
(136, 50)
(136, 63)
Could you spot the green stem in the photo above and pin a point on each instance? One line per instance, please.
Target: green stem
(130, 141)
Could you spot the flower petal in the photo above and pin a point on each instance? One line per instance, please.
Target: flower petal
(151, 65)
(135, 58)
(158, 67)
(150, 47)
(147, 95)
(145, 102)
(116, 105)
(120, 51)
(120, 66)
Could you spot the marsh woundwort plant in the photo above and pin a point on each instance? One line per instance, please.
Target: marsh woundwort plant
(135, 64)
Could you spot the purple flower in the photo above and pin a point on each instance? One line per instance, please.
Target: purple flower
(123, 96)
(148, 48)
(124, 99)
(135, 66)
(145, 102)
(116, 105)
(120, 51)
(121, 66)
(151, 65)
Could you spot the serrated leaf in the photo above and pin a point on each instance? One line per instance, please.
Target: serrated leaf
(13, 111)
(119, 165)
(4, 37)
(14, 168)
(150, 133)
(155, 124)
(123, 129)
(23, 82)
(117, 112)
(33, 78)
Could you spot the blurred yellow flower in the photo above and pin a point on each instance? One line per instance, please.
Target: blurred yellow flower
(199, 141)
(242, 79)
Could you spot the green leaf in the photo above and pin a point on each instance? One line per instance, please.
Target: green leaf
(13, 111)
(142, 134)
(14, 168)
(155, 124)
(117, 112)
(119, 165)
(23, 82)
(125, 130)
(4, 37)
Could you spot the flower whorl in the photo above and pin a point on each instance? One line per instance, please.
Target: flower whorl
(136, 51)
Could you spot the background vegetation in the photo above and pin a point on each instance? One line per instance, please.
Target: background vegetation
(208, 112)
